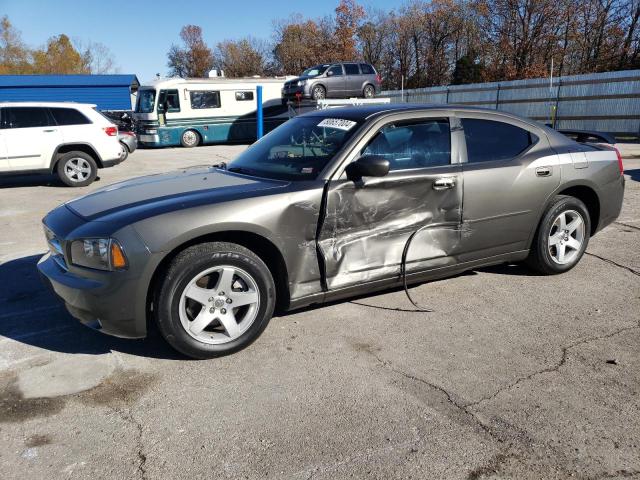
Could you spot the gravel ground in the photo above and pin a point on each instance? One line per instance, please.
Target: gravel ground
(512, 375)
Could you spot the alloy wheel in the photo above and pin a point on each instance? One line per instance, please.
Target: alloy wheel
(77, 169)
(190, 138)
(566, 237)
(219, 304)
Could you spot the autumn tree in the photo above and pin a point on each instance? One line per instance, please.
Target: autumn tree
(60, 57)
(347, 20)
(241, 58)
(194, 58)
(15, 57)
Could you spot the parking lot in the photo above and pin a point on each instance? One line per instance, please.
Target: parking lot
(513, 375)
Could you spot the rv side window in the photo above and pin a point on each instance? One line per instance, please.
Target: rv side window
(244, 96)
(204, 99)
(169, 100)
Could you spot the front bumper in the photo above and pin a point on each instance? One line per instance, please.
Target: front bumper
(105, 304)
(294, 93)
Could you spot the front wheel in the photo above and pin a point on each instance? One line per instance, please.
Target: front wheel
(190, 138)
(562, 236)
(318, 92)
(216, 298)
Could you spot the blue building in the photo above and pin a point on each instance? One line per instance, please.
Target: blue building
(108, 92)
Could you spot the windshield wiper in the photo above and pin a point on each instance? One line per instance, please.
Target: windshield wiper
(221, 165)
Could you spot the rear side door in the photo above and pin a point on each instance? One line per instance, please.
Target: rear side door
(335, 81)
(509, 173)
(31, 137)
(74, 126)
(353, 79)
(367, 223)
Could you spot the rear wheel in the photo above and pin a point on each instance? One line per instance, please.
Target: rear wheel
(369, 91)
(124, 152)
(562, 236)
(216, 298)
(190, 138)
(76, 169)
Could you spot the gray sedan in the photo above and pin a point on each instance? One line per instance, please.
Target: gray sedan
(329, 205)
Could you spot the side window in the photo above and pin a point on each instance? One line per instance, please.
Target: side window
(26, 117)
(366, 69)
(489, 140)
(170, 100)
(69, 116)
(413, 145)
(335, 70)
(244, 96)
(205, 99)
(351, 69)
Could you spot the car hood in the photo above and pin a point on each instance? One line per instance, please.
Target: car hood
(155, 194)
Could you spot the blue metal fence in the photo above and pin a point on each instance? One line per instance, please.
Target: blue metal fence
(608, 102)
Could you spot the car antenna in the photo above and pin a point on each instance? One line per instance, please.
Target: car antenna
(403, 270)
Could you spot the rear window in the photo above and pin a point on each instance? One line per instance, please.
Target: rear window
(205, 99)
(25, 117)
(351, 69)
(68, 116)
(367, 69)
(489, 140)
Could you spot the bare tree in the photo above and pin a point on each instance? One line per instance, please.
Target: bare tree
(242, 58)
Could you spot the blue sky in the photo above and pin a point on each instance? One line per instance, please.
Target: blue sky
(139, 34)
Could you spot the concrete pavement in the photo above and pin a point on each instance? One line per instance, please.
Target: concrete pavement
(513, 375)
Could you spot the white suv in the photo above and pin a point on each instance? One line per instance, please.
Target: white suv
(72, 139)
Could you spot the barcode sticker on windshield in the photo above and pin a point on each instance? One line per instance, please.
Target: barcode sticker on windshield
(339, 123)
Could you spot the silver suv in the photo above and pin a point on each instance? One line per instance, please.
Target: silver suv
(333, 80)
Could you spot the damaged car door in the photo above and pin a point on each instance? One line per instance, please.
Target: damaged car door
(368, 220)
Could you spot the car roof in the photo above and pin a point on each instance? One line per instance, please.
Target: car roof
(46, 104)
(366, 112)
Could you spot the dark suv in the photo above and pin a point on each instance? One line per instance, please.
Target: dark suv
(333, 80)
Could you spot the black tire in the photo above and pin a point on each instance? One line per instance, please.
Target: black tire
(124, 151)
(369, 91)
(76, 169)
(318, 92)
(186, 266)
(190, 139)
(540, 256)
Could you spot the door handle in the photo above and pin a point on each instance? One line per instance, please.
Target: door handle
(444, 183)
(543, 172)
(50, 130)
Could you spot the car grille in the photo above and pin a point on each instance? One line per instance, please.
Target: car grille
(55, 247)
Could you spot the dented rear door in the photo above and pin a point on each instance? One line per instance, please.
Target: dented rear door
(367, 223)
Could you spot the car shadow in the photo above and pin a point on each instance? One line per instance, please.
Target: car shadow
(30, 313)
(634, 174)
(34, 180)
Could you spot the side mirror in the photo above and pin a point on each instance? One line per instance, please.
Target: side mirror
(367, 166)
(329, 73)
(162, 108)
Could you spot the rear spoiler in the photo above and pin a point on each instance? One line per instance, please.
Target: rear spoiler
(588, 136)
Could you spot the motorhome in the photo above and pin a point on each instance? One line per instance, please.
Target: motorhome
(191, 112)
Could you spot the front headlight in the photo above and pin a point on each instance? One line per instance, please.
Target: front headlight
(301, 82)
(151, 131)
(98, 253)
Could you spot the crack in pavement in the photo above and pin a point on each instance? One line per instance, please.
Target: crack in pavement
(632, 270)
(627, 225)
(553, 368)
(128, 417)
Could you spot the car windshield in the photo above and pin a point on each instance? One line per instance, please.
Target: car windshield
(314, 71)
(296, 150)
(146, 101)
